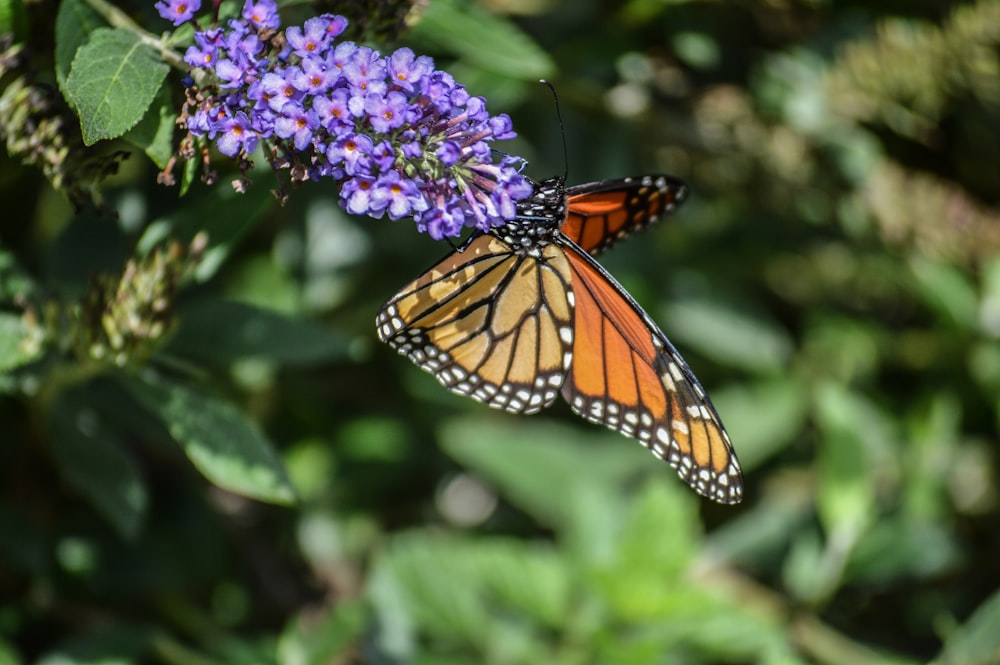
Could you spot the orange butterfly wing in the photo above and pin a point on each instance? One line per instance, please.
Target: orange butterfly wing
(599, 214)
(627, 376)
(488, 323)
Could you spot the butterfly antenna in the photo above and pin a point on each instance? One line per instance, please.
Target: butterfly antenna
(562, 127)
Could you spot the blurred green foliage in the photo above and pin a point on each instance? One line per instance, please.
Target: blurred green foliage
(206, 457)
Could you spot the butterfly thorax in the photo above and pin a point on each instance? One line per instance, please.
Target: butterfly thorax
(538, 218)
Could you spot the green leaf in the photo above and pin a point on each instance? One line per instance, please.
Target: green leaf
(978, 641)
(480, 591)
(8, 654)
(843, 348)
(729, 335)
(90, 458)
(527, 459)
(75, 21)
(113, 81)
(720, 627)
(226, 447)
(697, 49)
(482, 38)
(853, 431)
(260, 280)
(190, 172)
(331, 639)
(989, 306)
(934, 428)
(523, 461)
(19, 343)
(219, 211)
(949, 290)
(804, 570)
(155, 132)
(656, 546)
(532, 579)
(13, 19)
(762, 418)
(223, 332)
(15, 283)
(760, 535)
(903, 549)
(856, 444)
(435, 578)
(92, 242)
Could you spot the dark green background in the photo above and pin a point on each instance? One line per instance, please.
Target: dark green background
(833, 280)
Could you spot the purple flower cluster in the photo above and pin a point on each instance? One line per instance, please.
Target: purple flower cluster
(178, 11)
(404, 138)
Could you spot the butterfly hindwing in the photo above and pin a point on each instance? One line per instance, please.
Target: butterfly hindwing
(627, 376)
(599, 214)
(489, 323)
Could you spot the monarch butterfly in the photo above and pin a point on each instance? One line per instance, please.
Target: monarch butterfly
(521, 313)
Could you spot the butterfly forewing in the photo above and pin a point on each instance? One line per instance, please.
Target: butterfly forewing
(601, 213)
(627, 376)
(488, 323)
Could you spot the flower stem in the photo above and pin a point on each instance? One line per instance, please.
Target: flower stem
(119, 19)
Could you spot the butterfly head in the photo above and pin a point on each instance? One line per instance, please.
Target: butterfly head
(538, 217)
